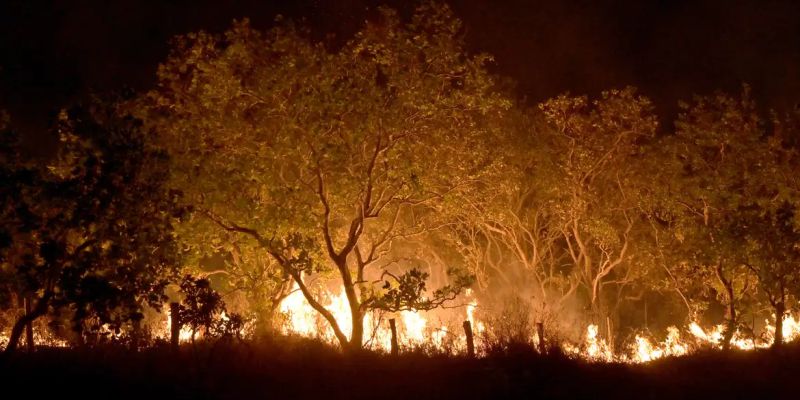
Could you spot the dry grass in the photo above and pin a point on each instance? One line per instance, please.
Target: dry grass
(294, 368)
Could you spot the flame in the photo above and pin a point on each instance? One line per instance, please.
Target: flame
(414, 324)
(597, 349)
(303, 320)
(301, 317)
(439, 337)
(184, 336)
(645, 351)
(413, 327)
(41, 337)
(473, 304)
(715, 336)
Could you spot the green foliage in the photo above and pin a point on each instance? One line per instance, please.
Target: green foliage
(325, 158)
(364, 163)
(728, 203)
(599, 201)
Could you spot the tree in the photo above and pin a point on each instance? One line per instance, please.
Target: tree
(772, 256)
(597, 202)
(718, 173)
(771, 224)
(16, 215)
(508, 231)
(250, 279)
(325, 158)
(90, 236)
(203, 307)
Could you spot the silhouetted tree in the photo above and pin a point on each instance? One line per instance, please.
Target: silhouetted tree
(596, 203)
(200, 306)
(89, 236)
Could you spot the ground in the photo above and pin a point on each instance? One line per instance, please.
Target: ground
(292, 369)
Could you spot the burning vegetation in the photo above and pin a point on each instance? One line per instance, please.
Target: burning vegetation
(390, 193)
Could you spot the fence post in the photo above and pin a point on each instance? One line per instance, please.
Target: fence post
(175, 325)
(29, 326)
(540, 332)
(393, 327)
(136, 333)
(470, 340)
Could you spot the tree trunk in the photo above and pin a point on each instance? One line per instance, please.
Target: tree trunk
(540, 333)
(609, 333)
(357, 338)
(136, 334)
(175, 325)
(28, 326)
(16, 331)
(470, 340)
(393, 327)
(730, 327)
(356, 342)
(23, 321)
(730, 313)
(780, 309)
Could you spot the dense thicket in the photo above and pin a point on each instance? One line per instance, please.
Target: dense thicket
(395, 159)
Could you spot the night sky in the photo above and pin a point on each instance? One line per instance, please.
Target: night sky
(54, 52)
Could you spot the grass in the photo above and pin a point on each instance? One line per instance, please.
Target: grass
(290, 368)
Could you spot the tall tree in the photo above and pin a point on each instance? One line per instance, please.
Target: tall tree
(772, 255)
(508, 231)
(718, 172)
(326, 157)
(598, 144)
(771, 225)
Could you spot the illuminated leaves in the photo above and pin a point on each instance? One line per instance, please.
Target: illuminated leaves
(351, 149)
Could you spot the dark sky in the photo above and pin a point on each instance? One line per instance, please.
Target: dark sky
(53, 52)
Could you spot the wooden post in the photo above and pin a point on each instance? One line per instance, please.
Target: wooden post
(135, 334)
(29, 326)
(645, 316)
(175, 325)
(393, 327)
(609, 339)
(470, 340)
(540, 332)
